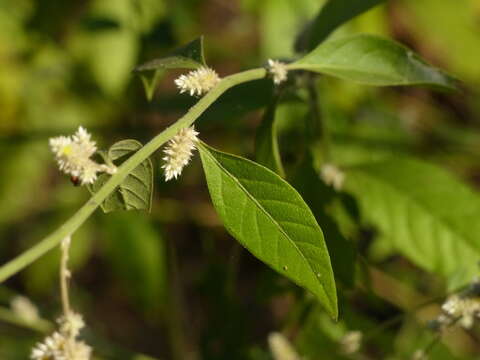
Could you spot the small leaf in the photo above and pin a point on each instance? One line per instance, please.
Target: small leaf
(333, 14)
(423, 211)
(373, 60)
(266, 143)
(267, 216)
(150, 85)
(189, 56)
(135, 192)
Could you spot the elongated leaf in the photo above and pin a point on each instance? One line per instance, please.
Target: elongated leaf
(424, 212)
(189, 56)
(266, 143)
(267, 216)
(135, 192)
(373, 60)
(333, 14)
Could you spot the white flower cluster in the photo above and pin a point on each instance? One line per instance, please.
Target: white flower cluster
(463, 309)
(63, 344)
(178, 152)
(332, 176)
(198, 82)
(73, 156)
(351, 342)
(278, 70)
(281, 348)
(419, 355)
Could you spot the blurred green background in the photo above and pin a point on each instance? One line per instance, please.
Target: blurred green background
(172, 284)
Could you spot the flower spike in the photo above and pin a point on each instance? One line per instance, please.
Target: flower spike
(178, 152)
(73, 156)
(278, 70)
(198, 82)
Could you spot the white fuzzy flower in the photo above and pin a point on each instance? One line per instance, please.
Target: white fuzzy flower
(351, 342)
(278, 70)
(24, 308)
(332, 176)
(52, 348)
(178, 152)
(198, 82)
(80, 351)
(281, 348)
(463, 308)
(419, 355)
(71, 324)
(73, 156)
(63, 344)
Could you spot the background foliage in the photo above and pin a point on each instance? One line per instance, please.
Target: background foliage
(173, 284)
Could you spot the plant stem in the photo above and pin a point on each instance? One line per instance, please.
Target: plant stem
(64, 276)
(72, 224)
(319, 130)
(40, 325)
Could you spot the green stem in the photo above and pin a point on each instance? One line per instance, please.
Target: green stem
(319, 130)
(40, 325)
(72, 224)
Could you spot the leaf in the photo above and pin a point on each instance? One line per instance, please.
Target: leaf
(424, 212)
(189, 56)
(333, 14)
(267, 216)
(373, 60)
(110, 56)
(279, 21)
(135, 192)
(266, 143)
(149, 85)
(433, 21)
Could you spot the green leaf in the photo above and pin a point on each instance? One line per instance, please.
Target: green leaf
(373, 60)
(189, 56)
(424, 212)
(150, 84)
(135, 192)
(266, 143)
(333, 14)
(110, 56)
(267, 216)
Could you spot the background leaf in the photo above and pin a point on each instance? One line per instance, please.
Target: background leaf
(137, 251)
(424, 212)
(267, 216)
(320, 199)
(189, 56)
(266, 142)
(333, 14)
(135, 192)
(372, 60)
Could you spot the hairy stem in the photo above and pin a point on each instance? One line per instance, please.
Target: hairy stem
(65, 275)
(72, 224)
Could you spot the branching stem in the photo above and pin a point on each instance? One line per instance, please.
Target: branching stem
(72, 224)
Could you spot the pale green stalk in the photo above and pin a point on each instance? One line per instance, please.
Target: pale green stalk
(10, 317)
(72, 224)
